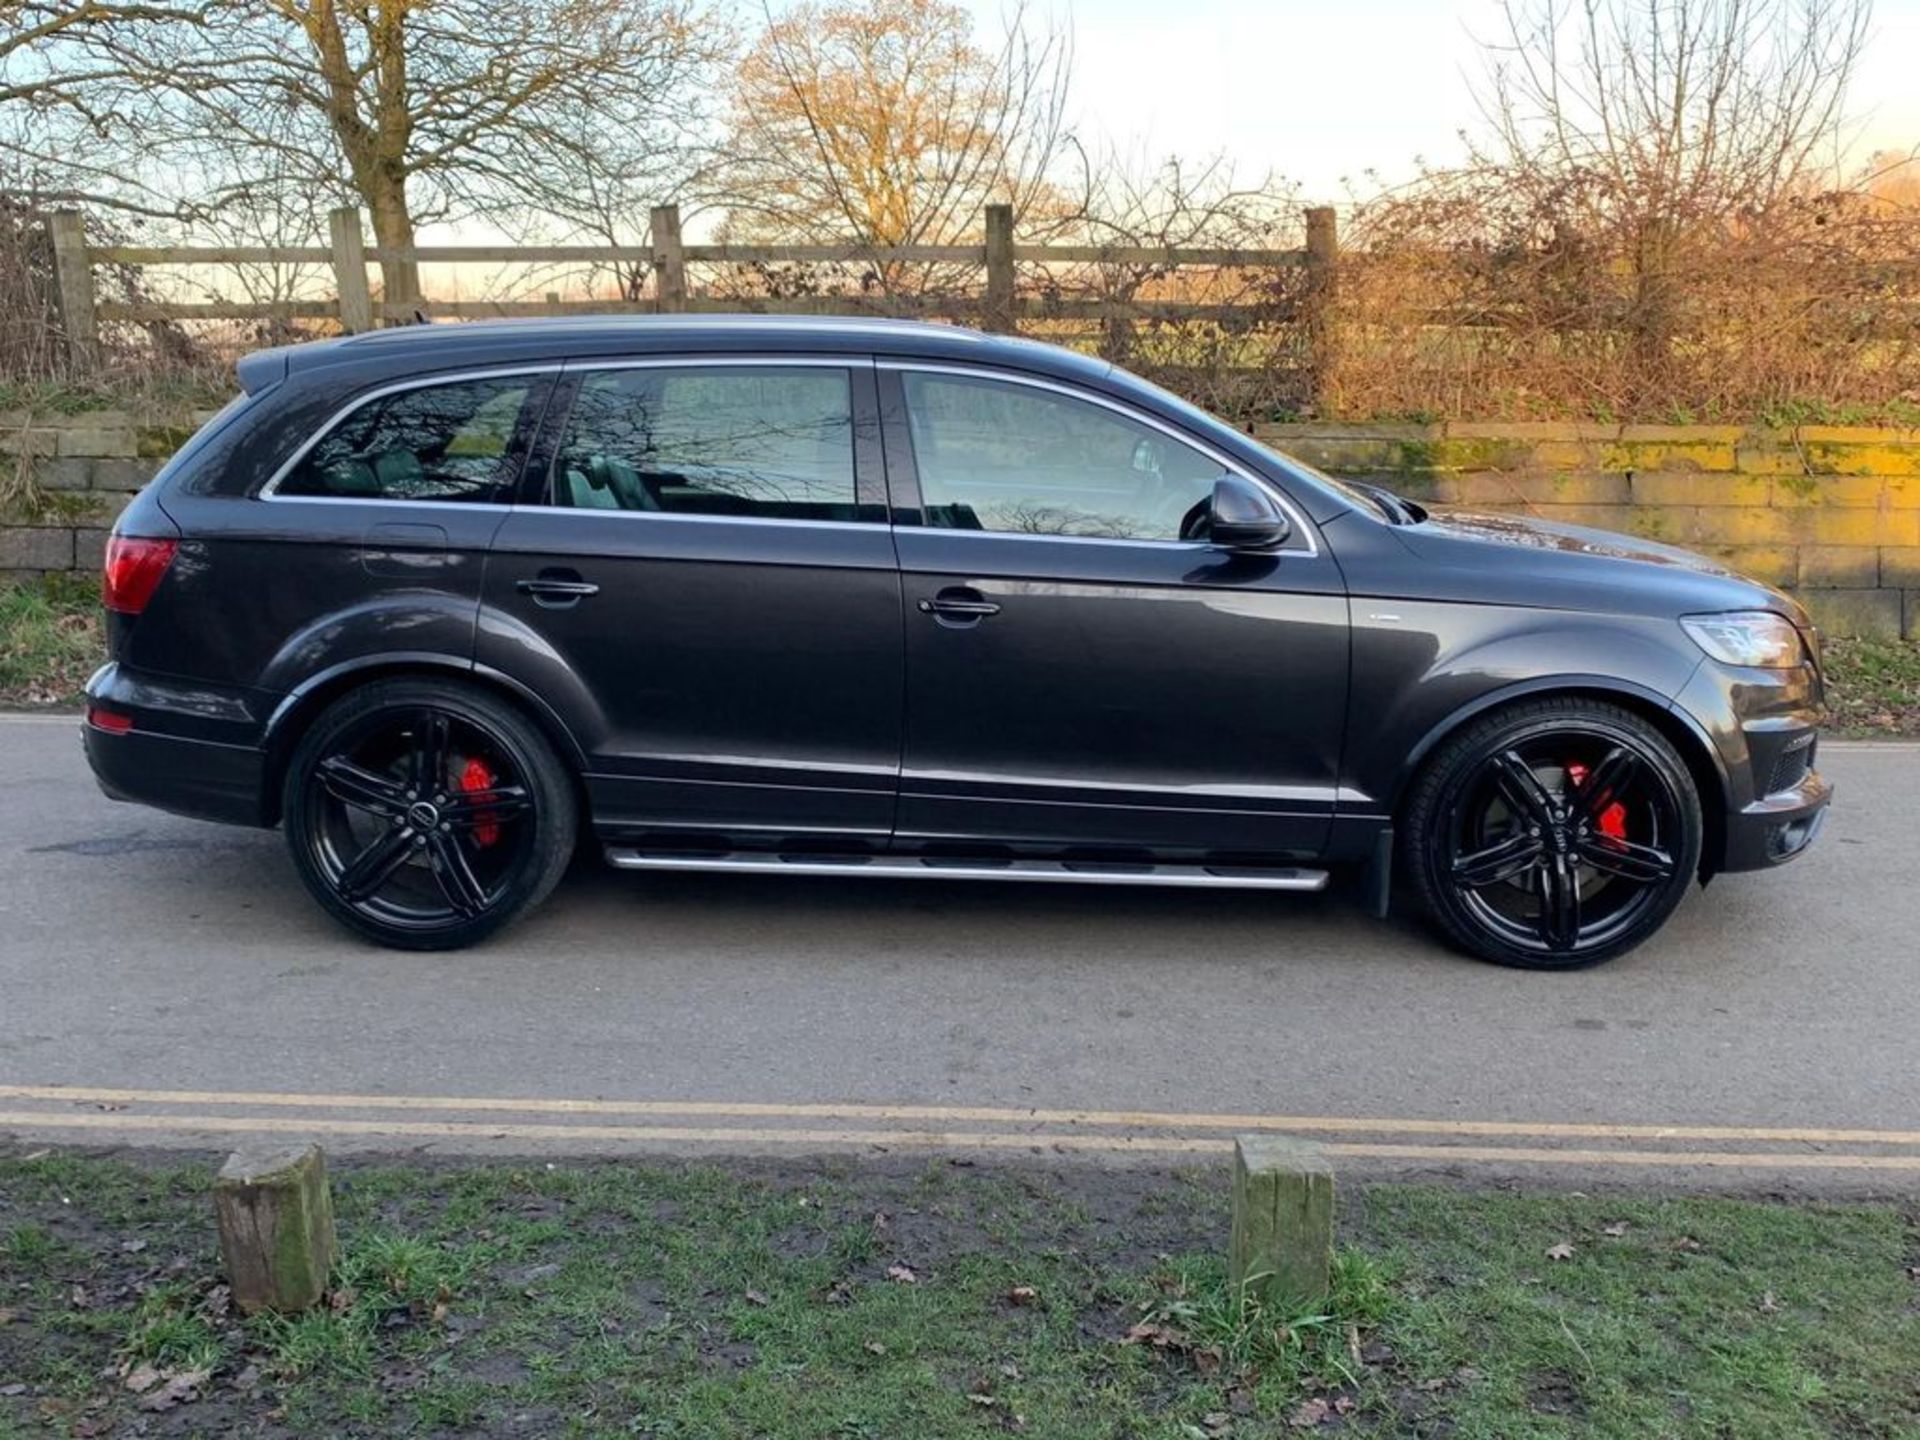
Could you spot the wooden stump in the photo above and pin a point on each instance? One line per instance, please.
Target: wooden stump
(276, 1227)
(1282, 1246)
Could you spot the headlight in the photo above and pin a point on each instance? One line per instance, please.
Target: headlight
(1747, 637)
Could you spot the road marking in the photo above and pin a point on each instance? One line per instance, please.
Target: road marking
(938, 1140)
(965, 1114)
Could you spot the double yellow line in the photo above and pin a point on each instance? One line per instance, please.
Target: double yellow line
(939, 1127)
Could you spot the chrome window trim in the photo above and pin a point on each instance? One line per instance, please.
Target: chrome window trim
(682, 517)
(1225, 462)
(271, 490)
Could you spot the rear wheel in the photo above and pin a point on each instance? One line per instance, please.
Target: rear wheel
(427, 814)
(1554, 834)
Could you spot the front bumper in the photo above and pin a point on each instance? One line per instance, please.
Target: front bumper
(1778, 827)
(1764, 726)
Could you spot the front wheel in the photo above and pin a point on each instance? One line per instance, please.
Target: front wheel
(1554, 834)
(426, 814)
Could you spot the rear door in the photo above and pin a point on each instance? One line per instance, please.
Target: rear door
(703, 586)
(1080, 676)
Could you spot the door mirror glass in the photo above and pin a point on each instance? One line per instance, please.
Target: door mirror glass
(1243, 516)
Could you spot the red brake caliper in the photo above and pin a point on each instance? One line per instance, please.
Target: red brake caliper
(1613, 819)
(475, 775)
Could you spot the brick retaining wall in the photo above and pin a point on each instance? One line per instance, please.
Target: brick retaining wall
(1831, 513)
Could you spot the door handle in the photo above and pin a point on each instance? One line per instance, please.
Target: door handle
(959, 605)
(557, 588)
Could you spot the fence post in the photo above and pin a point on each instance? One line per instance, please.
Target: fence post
(350, 270)
(669, 263)
(73, 281)
(1323, 261)
(999, 307)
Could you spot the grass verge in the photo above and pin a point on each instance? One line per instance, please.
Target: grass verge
(1874, 686)
(823, 1299)
(50, 641)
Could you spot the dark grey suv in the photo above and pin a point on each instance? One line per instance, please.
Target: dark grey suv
(885, 599)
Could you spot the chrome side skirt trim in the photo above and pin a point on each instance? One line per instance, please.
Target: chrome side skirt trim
(915, 867)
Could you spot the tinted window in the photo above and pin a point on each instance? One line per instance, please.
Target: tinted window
(998, 456)
(767, 441)
(438, 442)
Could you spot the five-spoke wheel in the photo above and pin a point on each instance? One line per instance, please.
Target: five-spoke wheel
(1554, 834)
(426, 814)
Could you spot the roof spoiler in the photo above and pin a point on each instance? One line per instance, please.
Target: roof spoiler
(264, 369)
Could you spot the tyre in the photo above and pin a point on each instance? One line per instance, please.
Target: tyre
(426, 814)
(1552, 834)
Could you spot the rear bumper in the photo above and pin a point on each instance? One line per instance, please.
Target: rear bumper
(168, 759)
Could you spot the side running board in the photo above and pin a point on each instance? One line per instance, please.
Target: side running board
(914, 867)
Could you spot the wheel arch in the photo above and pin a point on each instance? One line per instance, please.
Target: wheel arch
(1688, 738)
(297, 709)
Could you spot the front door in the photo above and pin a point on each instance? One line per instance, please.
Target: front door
(1080, 678)
(705, 589)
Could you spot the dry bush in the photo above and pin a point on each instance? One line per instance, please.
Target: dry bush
(1466, 297)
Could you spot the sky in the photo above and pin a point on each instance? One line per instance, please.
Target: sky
(1323, 91)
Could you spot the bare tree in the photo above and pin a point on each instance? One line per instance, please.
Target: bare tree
(418, 112)
(1647, 128)
(887, 121)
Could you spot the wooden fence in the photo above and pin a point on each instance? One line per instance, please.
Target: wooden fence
(994, 304)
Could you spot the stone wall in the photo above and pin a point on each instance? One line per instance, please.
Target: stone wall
(64, 479)
(1830, 513)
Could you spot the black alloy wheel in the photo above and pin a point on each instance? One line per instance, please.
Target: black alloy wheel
(426, 814)
(1554, 834)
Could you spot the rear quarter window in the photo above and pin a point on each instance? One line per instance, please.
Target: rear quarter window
(455, 442)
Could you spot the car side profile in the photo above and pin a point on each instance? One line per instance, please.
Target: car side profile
(880, 598)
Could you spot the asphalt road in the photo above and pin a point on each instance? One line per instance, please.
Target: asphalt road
(142, 955)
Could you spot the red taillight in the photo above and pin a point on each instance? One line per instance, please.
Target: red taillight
(133, 569)
(107, 720)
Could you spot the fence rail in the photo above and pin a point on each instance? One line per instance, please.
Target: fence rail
(997, 305)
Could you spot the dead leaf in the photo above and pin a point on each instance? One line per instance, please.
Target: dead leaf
(16, 1388)
(1769, 1304)
(79, 1298)
(142, 1377)
(840, 1292)
(6, 1317)
(1309, 1413)
(984, 1401)
(1010, 1371)
(343, 1298)
(754, 1297)
(902, 1275)
(180, 1389)
(1023, 1295)
(874, 1347)
(218, 1302)
(1216, 1423)
(1207, 1360)
(132, 1247)
(439, 1313)
(1343, 1405)
(1616, 1229)
(1562, 1251)
(1161, 1337)
(1688, 1244)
